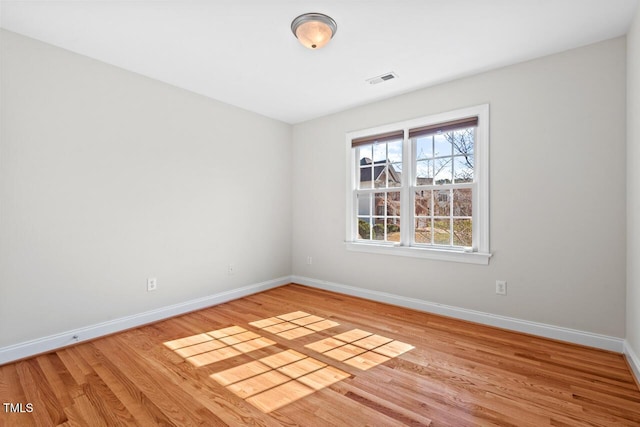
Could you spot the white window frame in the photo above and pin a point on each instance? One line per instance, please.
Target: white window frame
(480, 252)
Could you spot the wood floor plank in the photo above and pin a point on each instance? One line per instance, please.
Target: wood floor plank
(83, 412)
(61, 382)
(205, 391)
(367, 364)
(403, 414)
(156, 389)
(11, 391)
(37, 388)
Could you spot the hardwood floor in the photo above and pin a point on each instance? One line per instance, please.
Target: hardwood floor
(301, 356)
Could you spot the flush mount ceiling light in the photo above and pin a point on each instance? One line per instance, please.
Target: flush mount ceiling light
(314, 30)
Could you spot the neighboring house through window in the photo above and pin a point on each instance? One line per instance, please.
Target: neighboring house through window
(420, 187)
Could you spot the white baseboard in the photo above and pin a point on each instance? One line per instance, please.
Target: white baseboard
(52, 342)
(540, 329)
(633, 360)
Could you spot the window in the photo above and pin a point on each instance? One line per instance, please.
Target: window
(420, 187)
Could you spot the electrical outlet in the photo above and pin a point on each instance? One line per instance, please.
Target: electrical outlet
(501, 287)
(152, 284)
(309, 260)
(231, 269)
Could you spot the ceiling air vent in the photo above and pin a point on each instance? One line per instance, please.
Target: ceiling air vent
(382, 78)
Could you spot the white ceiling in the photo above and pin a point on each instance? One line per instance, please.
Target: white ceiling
(242, 52)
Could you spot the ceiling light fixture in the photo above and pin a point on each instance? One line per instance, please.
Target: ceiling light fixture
(314, 30)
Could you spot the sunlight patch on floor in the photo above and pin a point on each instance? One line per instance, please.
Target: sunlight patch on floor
(214, 346)
(274, 381)
(360, 349)
(294, 325)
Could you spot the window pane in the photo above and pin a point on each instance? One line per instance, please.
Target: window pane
(442, 231)
(364, 228)
(364, 204)
(380, 176)
(395, 175)
(387, 177)
(423, 203)
(393, 229)
(380, 204)
(364, 152)
(442, 144)
(378, 229)
(395, 151)
(424, 148)
(423, 230)
(462, 232)
(443, 171)
(442, 202)
(365, 177)
(379, 152)
(463, 169)
(393, 203)
(424, 172)
(462, 202)
(463, 141)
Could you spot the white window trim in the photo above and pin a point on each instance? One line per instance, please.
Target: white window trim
(476, 255)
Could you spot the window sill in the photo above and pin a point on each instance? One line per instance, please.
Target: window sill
(420, 252)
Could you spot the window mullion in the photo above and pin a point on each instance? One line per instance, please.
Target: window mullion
(371, 214)
(451, 215)
(406, 201)
(352, 231)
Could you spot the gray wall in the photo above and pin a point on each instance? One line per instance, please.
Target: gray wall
(633, 185)
(557, 180)
(108, 177)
